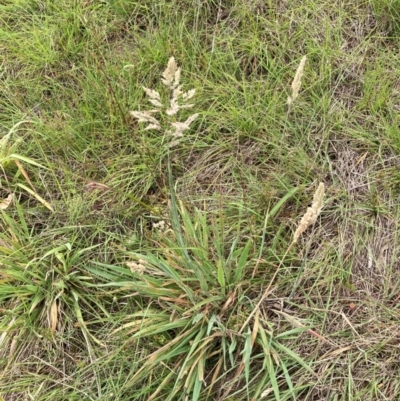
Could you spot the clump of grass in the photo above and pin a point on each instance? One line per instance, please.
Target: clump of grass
(308, 219)
(193, 288)
(195, 294)
(172, 323)
(43, 286)
(8, 155)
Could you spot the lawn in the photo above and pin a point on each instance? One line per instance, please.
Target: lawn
(199, 200)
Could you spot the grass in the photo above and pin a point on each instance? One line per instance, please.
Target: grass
(153, 265)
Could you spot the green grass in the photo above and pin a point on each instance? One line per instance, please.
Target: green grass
(132, 270)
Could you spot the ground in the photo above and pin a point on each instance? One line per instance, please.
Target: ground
(159, 264)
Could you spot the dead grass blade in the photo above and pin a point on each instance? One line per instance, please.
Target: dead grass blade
(37, 196)
(53, 316)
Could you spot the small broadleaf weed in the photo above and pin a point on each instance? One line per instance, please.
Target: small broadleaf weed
(178, 100)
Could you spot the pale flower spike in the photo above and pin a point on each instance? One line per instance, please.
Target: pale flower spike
(189, 94)
(178, 100)
(296, 84)
(155, 98)
(138, 268)
(171, 74)
(312, 213)
(180, 127)
(145, 117)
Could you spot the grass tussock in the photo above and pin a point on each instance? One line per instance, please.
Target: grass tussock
(237, 240)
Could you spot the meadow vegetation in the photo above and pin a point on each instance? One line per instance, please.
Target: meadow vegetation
(199, 200)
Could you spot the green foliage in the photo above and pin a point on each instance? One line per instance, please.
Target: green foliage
(99, 301)
(193, 282)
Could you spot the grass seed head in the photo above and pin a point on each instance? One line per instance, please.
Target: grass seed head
(172, 74)
(296, 84)
(171, 78)
(154, 97)
(178, 100)
(312, 213)
(139, 267)
(146, 117)
(180, 127)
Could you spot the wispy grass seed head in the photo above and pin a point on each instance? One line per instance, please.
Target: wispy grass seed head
(312, 213)
(146, 117)
(178, 100)
(172, 74)
(139, 267)
(296, 84)
(154, 97)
